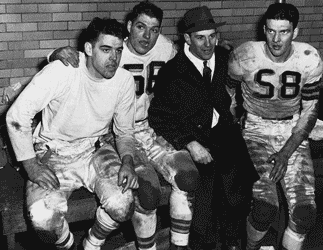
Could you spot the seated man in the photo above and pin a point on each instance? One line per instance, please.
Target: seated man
(71, 147)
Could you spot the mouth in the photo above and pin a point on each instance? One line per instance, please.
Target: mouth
(276, 47)
(144, 44)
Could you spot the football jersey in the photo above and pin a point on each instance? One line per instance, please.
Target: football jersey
(145, 68)
(275, 90)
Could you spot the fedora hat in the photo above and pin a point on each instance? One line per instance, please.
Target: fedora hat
(199, 18)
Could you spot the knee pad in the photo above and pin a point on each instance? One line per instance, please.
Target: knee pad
(148, 195)
(187, 180)
(262, 215)
(47, 223)
(119, 208)
(304, 217)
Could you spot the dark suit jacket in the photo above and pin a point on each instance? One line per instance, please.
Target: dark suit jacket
(182, 110)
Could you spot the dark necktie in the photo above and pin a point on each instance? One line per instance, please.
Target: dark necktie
(206, 74)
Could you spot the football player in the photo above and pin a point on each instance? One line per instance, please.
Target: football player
(280, 82)
(145, 51)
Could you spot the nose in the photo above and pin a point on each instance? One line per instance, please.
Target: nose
(113, 55)
(147, 34)
(276, 37)
(207, 42)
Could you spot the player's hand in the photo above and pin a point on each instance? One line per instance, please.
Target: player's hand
(67, 55)
(127, 177)
(41, 174)
(280, 162)
(199, 153)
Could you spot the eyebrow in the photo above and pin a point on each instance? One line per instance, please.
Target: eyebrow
(109, 47)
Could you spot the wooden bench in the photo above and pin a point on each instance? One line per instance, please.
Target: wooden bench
(81, 206)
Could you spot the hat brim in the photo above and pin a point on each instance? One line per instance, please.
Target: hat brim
(204, 26)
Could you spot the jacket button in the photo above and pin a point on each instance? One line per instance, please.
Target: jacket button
(199, 126)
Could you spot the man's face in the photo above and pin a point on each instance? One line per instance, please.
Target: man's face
(143, 34)
(104, 58)
(279, 36)
(202, 43)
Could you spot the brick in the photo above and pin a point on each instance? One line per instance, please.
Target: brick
(9, 54)
(36, 17)
(313, 3)
(36, 1)
(233, 20)
(313, 17)
(243, 12)
(23, 45)
(21, 27)
(4, 82)
(37, 53)
(2, 27)
(23, 63)
(22, 8)
(65, 34)
(2, 9)
(22, 80)
(254, 4)
(242, 27)
(213, 4)
(77, 25)
(30, 71)
(168, 22)
(52, 26)
(112, 7)
(10, 1)
(10, 36)
(12, 73)
(10, 18)
(233, 4)
(186, 5)
(82, 7)
(169, 30)
(40, 35)
(53, 44)
(222, 12)
(3, 46)
(174, 13)
(90, 15)
(118, 15)
(67, 17)
(166, 5)
(53, 8)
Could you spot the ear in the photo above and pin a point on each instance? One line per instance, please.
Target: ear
(264, 28)
(296, 30)
(129, 24)
(88, 49)
(187, 38)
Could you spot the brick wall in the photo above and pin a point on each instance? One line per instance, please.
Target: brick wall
(30, 29)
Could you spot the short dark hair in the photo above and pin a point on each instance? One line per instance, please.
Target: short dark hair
(145, 7)
(282, 11)
(106, 26)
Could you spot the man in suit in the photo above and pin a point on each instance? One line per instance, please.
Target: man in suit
(191, 110)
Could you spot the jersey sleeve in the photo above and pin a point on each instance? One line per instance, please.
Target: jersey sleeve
(310, 98)
(124, 118)
(36, 95)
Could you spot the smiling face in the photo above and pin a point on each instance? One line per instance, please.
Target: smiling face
(104, 56)
(279, 36)
(143, 34)
(202, 43)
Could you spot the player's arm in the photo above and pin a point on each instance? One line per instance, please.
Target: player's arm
(305, 124)
(32, 100)
(67, 55)
(123, 127)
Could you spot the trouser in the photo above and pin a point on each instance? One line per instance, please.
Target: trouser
(178, 169)
(76, 165)
(264, 138)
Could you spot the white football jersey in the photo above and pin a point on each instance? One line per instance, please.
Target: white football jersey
(145, 68)
(275, 90)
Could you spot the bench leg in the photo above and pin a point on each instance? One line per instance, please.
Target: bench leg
(11, 241)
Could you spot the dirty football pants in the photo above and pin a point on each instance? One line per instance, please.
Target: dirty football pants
(264, 138)
(178, 169)
(79, 165)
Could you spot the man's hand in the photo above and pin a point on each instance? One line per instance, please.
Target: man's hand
(127, 176)
(199, 153)
(67, 55)
(41, 174)
(280, 162)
